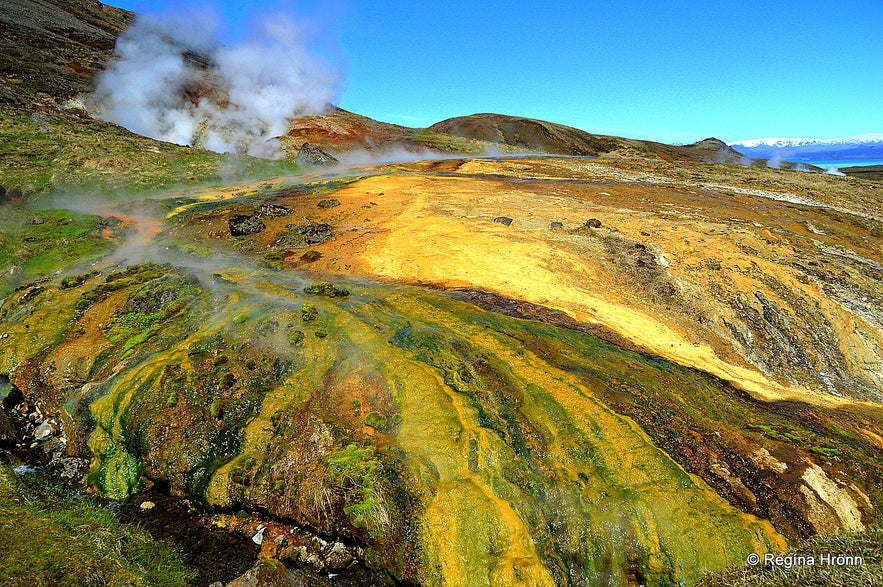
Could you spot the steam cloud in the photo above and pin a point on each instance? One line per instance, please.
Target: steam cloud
(175, 82)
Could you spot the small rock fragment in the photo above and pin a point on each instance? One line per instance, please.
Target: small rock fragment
(593, 223)
(504, 220)
(147, 505)
(44, 431)
(241, 225)
(556, 226)
(273, 211)
(315, 234)
(258, 537)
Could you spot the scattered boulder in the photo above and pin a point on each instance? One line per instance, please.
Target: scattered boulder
(556, 226)
(14, 193)
(316, 234)
(273, 211)
(504, 220)
(8, 434)
(593, 223)
(147, 505)
(330, 203)
(241, 225)
(38, 220)
(44, 431)
(310, 155)
(270, 572)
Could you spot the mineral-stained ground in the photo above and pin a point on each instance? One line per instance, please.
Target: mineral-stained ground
(479, 371)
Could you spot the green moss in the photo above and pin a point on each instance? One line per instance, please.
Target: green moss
(775, 434)
(129, 325)
(311, 256)
(309, 312)
(356, 472)
(296, 337)
(240, 318)
(326, 289)
(276, 259)
(321, 333)
(50, 538)
(60, 241)
(217, 408)
(376, 420)
(116, 473)
(172, 400)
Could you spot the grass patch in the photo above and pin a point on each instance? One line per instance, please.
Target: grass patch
(356, 473)
(73, 155)
(864, 544)
(36, 243)
(50, 538)
(771, 432)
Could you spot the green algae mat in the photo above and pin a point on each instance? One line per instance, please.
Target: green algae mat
(453, 441)
(451, 438)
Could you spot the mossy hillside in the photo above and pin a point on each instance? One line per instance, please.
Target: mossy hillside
(35, 318)
(60, 154)
(50, 538)
(671, 402)
(181, 417)
(35, 243)
(502, 459)
(519, 415)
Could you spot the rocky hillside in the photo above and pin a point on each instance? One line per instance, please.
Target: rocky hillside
(51, 49)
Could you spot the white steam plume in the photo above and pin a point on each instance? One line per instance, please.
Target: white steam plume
(175, 82)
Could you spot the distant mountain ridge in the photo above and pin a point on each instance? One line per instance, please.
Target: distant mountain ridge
(864, 146)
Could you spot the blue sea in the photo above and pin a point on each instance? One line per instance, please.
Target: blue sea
(838, 163)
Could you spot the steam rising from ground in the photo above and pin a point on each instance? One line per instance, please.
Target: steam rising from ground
(175, 82)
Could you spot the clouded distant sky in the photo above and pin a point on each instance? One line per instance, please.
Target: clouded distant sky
(674, 71)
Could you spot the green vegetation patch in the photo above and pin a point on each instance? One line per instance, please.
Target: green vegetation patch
(71, 155)
(50, 538)
(856, 561)
(36, 243)
(326, 289)
(376, 420)
(356, 472)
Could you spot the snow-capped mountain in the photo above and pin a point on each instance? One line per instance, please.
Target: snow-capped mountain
(861, 146)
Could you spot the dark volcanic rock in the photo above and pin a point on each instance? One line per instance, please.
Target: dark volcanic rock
(241, 225)
(315, 234)
(556, 226)
(504, 220)
(310, 155)
(329, 203)
(593, 223)
(273, 211)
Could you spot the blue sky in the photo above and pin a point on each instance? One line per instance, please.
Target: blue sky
(674, 71)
